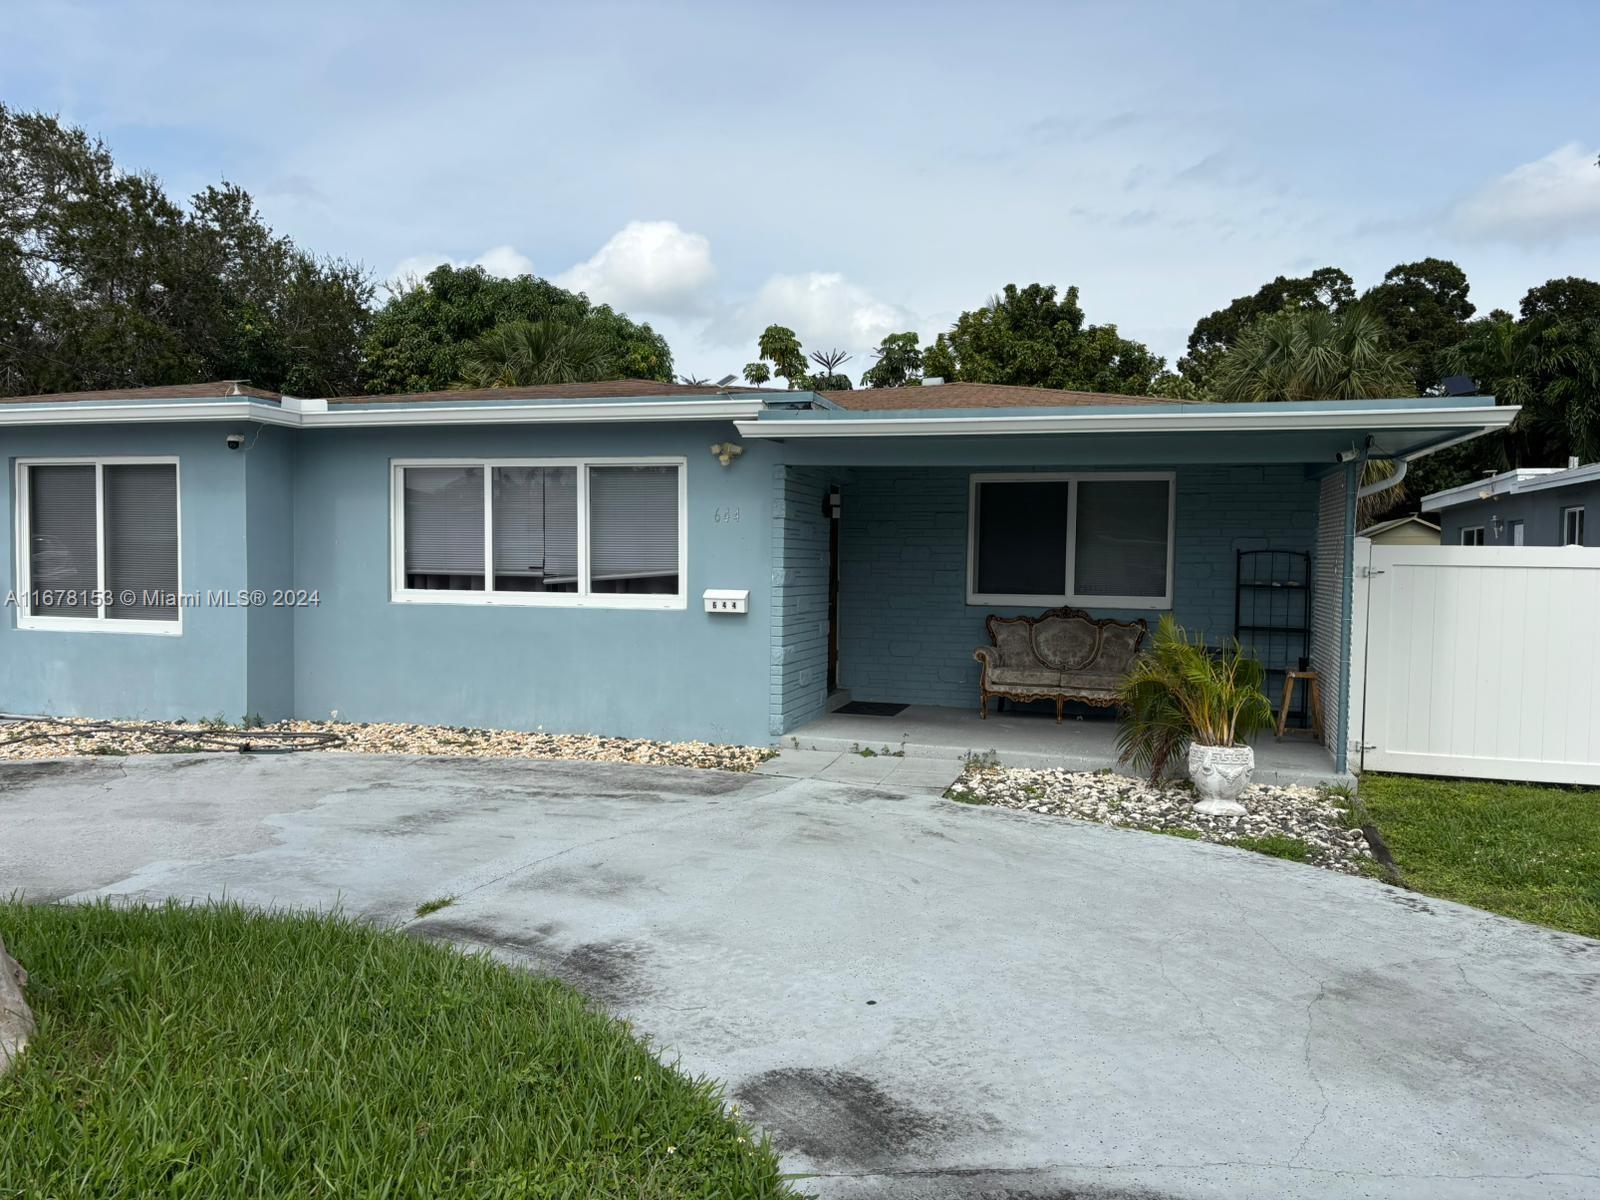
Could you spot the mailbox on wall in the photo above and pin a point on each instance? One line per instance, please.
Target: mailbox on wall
(727, 600)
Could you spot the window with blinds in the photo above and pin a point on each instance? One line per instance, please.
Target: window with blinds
(558, 533)
(633, 530)
(102, 543)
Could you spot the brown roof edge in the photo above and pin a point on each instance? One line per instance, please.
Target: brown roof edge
(604, 389)
(983, 395)
(220, 389)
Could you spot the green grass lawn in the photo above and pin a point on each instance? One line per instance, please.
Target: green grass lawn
(1528, 852)
(214, 1052)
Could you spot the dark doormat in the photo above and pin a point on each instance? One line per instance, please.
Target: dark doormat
(870, 708)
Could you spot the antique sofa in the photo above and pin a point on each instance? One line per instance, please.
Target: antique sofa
(1062, 654)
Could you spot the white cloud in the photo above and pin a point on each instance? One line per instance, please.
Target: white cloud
(505, 261)
(824, 309)
(647, 266)
(1544, 201)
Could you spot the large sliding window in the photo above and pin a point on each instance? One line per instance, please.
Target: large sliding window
(1103, 539)
(578, 533)
(99, 545)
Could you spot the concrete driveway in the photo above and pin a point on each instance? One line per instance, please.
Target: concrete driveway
(918, 998)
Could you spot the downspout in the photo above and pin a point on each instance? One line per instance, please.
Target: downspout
(1381, 485)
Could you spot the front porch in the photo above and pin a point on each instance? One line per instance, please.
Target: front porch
(1032, 739)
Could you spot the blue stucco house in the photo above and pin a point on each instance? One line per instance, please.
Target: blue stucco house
(1529, 506)
(637, 558)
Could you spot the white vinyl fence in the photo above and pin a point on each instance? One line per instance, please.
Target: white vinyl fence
(1477, 661)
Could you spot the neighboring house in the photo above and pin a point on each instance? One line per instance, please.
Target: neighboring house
(640, 558)
(1403, 531)
(1538, 506)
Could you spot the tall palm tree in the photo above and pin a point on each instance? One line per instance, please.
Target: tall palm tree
(527, 353)
(1315, 354)
(1312, 354)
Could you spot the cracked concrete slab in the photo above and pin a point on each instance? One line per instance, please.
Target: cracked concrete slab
(917, 998)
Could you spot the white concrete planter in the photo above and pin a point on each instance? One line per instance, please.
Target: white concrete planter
(1220, 775)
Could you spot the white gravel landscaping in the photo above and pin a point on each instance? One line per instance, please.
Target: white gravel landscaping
(1299, 823)
(58, 737)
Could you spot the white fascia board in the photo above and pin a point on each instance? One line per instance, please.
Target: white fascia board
(304, 414)
(495, 414)
(125, 414)
(1504, 484)
(1479, 420)
(1559, 478)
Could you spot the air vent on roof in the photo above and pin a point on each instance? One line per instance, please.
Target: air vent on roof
(932, 380)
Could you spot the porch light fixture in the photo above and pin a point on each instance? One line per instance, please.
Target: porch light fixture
(1498, 524)
(726, 452)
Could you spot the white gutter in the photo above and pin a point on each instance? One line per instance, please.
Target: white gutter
(317, 414)
(1196, 420)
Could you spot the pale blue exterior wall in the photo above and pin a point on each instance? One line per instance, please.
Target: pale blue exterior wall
(681, 673)
(202, 672)
(906, 631)
(799, 596)
(270, 547)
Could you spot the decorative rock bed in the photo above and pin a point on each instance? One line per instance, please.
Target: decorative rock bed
(1299, 823)
(54, 738)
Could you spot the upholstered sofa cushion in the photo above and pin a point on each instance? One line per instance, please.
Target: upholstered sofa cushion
(1118, 645)
(1011, 640)
(1066, 643)
(1026, 677)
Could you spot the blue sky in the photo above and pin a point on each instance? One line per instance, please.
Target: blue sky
(851, 170)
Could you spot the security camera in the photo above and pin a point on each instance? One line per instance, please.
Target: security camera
(235, 441)
(1348, 456)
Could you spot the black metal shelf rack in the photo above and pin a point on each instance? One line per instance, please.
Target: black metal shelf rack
(1272, 617)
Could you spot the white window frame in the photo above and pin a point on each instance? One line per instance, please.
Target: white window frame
(1477, 529)
(582, 598)
(1070, 595)
(1570, 516)
(99, 623)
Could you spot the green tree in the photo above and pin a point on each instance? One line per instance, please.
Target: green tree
(779, 346)
(527, 353)
(107, 282)
(757, 373)
(1215, 334)
(1549, 363)
(1424, 309)
(1310, 354)
(899, 363)
(1029, 336)
(829, 378)
(419, 339)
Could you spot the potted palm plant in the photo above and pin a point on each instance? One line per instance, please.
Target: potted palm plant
(1181, 695)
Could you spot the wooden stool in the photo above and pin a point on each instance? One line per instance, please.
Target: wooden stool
(1288, 695)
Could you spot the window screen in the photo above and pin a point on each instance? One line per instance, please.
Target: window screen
(633, 530)
(444, 528)
(1121, 543)
(535, 529)
(63, 555)
(141, 534)
(1022, 538)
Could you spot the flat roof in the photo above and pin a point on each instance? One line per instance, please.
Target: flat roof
(1398, 427)
(1521, 479)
